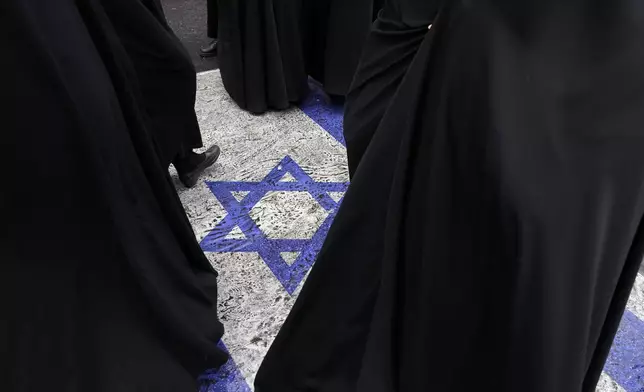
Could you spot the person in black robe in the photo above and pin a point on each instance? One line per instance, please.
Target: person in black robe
(104, 286)
(494, 225)
(335, 32)
(167, 80)
(268, 48)
(388, 52)
(210, 50)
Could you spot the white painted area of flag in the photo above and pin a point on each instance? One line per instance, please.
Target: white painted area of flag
(636, 301)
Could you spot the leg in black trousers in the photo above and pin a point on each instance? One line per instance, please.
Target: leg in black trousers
(213, 26)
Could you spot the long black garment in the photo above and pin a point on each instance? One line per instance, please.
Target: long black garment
(212, 7)
(104, 287)
(164, 71)
(493, 228)
(388, 52)
(334, 34)
(268, 48)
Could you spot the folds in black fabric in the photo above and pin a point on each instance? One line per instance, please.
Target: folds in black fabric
(107, 288)
(269, 48)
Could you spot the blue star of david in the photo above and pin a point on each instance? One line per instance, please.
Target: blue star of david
(270, 250)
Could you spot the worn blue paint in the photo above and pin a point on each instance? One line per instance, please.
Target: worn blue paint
(625, 363)
(227, 378)
(319, 107)
(290, 276)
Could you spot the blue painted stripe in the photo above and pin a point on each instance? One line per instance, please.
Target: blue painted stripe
(625, 363)
(227, 379)
(328, 115)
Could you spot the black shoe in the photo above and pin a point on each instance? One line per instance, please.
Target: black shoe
(209, 50)
(191, 168)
